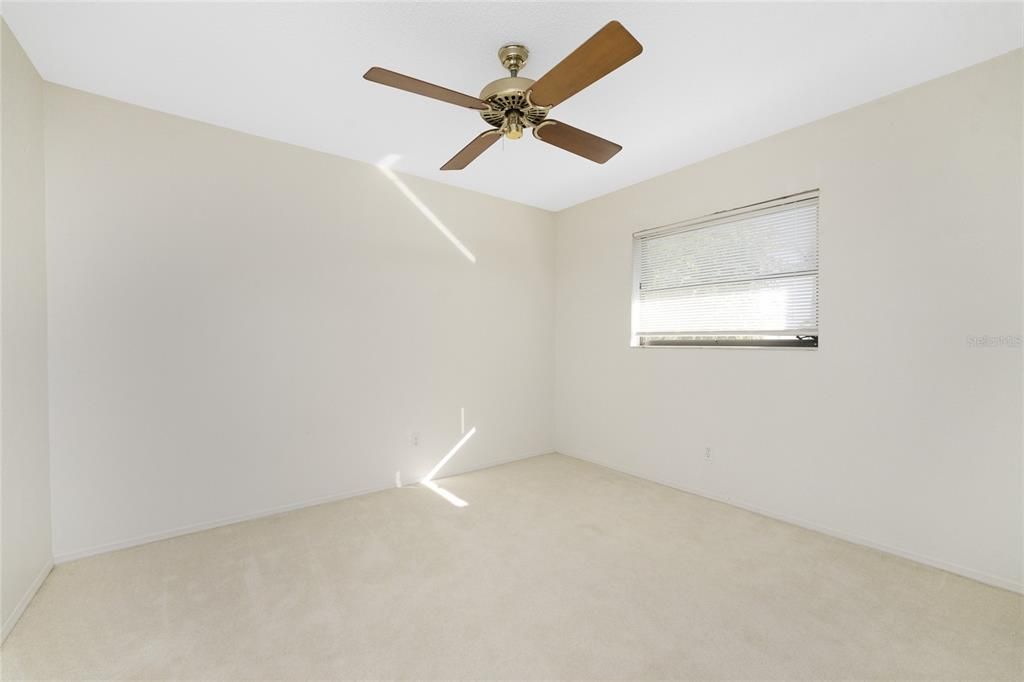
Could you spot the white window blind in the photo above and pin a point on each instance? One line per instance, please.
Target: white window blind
(743, 277)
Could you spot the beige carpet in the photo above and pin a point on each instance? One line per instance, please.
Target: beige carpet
(556, 569)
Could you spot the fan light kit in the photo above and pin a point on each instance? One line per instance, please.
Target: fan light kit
(512, 104)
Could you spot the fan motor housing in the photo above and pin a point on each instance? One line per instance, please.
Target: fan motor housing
(507, 95)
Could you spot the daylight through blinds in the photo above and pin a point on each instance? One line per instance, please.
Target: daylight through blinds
(747, 273)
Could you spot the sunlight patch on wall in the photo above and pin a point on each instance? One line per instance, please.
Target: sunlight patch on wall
(451, 453)
(428, 482)
(385, 167)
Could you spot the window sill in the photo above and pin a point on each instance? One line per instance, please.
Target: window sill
(724, 347)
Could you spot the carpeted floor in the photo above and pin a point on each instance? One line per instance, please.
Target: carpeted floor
(555, 569)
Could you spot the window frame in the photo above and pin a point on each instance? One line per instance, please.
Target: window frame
(740, 340)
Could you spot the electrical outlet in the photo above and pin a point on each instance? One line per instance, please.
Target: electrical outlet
(414, 439)
(707, 454)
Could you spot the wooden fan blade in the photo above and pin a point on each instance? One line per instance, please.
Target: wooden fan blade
(605, 51)
(577, 141)
(475, 148)
(414, 85)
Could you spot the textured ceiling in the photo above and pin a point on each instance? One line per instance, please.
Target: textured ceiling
(712, 76)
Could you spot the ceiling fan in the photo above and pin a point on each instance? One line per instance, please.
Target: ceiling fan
(513, 103)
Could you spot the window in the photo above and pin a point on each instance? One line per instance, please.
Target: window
(745, 277)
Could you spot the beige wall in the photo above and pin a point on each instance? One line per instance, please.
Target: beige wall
(239, 325)
(896, 432)
(25, 556)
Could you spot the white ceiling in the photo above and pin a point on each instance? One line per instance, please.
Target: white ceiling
(713, 76)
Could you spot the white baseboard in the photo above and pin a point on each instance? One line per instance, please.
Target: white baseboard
(980, 576)
(64, 557)
(84, 552)
(456, 471)
(26, 598)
